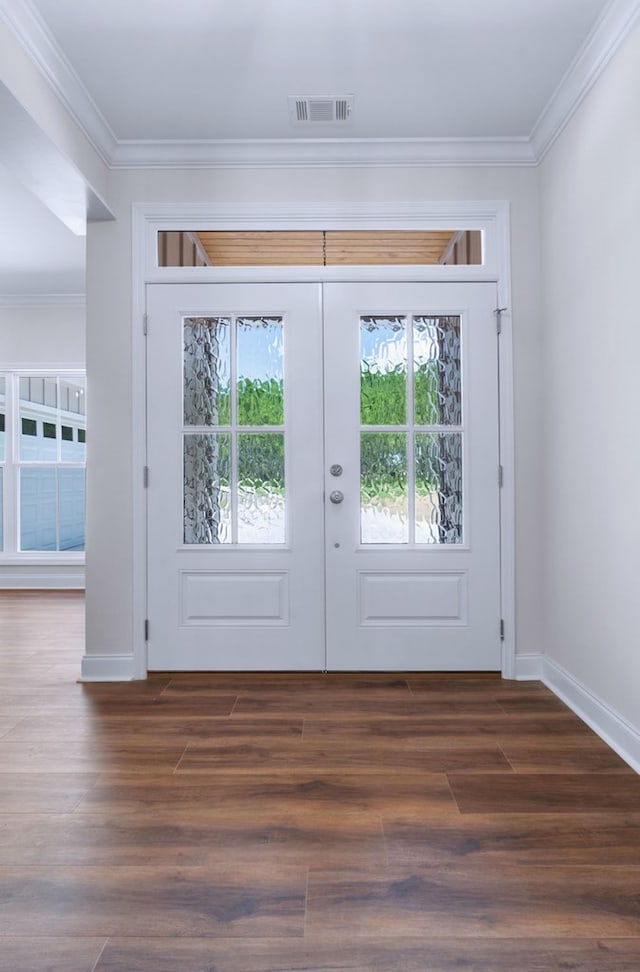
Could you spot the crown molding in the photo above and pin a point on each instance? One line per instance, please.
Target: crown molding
(322, 153)
(605, 39)
(41, 46)
(607, 36)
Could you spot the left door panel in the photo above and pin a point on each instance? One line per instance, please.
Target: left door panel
(235, 512)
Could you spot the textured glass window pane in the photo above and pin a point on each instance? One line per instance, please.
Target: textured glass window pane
(71, 505)
(383, 370)
(206, 359)
(261, 494)
(38, 509)
(439, 488)
(260, 371)
(436, 365)
(207, 506)
(383, 488)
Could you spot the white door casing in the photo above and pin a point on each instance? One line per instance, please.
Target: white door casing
(414, 606)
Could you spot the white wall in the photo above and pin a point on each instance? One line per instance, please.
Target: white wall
(109, 283)
(42, 336)
(590, 192)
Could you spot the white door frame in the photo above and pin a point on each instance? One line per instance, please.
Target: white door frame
(490, 217)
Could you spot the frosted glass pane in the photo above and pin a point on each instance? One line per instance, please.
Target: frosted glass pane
(207, 506)
(383, 370)
(71, 507)
(38, 509)
(206, 358)
(260, 371)
(383, 488)
(436, 366)
(439, 488)
(261, 488)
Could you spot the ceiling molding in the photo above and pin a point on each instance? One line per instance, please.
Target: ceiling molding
(35, 37)
(322, 153)
(604, 40)
(606, 37)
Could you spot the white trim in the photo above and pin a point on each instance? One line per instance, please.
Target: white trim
(42, 47)
(43, 300)
(322, 153)
(108, 668)
(602, 43)
(604, 40)
(528, 668)
(623, 738)
(490, 216)
(30, 579)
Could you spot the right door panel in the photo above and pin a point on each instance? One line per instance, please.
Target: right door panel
(412, 518)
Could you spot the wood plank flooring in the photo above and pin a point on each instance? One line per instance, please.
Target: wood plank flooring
(302, 823)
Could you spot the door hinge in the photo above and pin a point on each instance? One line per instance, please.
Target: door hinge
(146, 629)
(500, 476)
(499, 311)
(145, 477)
(501, 629)
(145, 324)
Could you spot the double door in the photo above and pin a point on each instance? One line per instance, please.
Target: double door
(323, 477)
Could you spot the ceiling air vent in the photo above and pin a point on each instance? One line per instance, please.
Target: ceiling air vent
(307, 110)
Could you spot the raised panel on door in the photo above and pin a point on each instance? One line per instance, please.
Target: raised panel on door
(235, 506)
(412, 519)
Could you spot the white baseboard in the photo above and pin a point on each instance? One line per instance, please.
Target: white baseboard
(108, 668)
(26, 579)
(528, 668)
(608, 724)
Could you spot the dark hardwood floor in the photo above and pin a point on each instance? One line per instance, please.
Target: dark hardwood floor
(311, 823)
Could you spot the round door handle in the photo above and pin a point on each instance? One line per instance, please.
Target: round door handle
(336, 496)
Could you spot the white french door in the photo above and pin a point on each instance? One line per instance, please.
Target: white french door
(411, 406)
(323, 489)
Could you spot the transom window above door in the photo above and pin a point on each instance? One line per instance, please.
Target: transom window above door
(320, 248)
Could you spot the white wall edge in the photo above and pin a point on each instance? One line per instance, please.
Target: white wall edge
(32, 580)
(528, 668)
(623, 738)
(107, 668)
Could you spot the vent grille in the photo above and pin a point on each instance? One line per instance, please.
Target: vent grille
(317, 110)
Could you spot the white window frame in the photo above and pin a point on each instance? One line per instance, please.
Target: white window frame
(11, 555)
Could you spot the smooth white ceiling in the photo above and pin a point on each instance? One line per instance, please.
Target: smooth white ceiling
(222, 70)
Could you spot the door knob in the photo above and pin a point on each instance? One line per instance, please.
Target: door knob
(336, 496)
